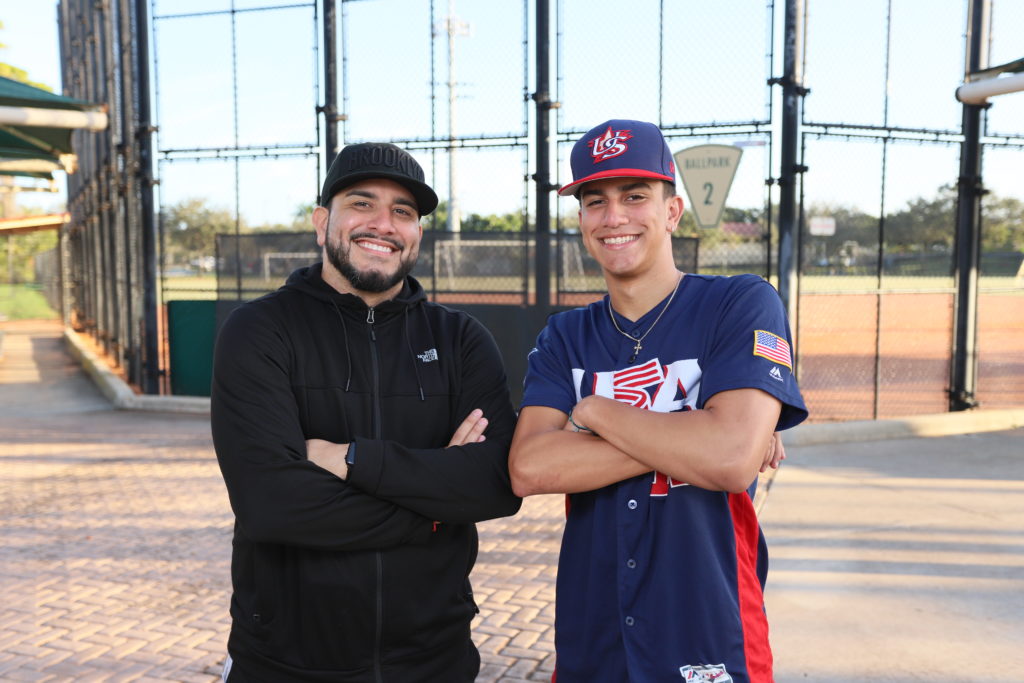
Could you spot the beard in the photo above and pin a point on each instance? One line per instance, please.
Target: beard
(371, 281)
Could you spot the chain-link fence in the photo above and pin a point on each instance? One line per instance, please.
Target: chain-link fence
(877, 289)
(29, 276)
(476, 268)
(243, 107)
(109, 279)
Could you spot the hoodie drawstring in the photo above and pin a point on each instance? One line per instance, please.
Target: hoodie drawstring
(348, 354)
(412, 354)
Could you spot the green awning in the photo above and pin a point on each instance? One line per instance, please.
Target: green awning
(17, 94)
(23, 148)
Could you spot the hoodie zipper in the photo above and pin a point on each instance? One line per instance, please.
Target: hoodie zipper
(377, 434)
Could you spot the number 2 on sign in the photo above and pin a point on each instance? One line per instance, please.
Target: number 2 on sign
(709, 188)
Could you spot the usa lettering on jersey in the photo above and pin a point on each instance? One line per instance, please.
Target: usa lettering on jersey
(652, 386)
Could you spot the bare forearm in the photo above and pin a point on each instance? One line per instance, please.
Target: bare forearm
(328, 455)
(560, 461)
(720, 448)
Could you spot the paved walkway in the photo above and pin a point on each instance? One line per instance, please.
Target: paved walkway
(900, 560)
(117, 538)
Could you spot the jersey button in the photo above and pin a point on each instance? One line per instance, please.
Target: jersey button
(629, 621)
(631, 563)
(631, 504)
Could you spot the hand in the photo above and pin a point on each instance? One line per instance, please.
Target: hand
(328, 455)
(776, 453)
(471, 430)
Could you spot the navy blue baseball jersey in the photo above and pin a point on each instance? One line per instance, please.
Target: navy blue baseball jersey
(659, 580)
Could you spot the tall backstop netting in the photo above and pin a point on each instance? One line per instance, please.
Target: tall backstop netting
(243, 107)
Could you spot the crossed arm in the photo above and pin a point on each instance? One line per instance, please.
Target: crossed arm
(721, 447)
(331, 456)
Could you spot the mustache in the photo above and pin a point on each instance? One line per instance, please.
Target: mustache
(369, 235)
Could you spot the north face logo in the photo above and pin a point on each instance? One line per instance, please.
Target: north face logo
(428, 355)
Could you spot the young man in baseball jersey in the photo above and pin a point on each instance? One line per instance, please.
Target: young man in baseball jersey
(654, 409)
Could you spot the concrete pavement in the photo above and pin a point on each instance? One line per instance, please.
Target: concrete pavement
(896, 560)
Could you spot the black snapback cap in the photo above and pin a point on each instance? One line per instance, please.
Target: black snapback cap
(366, 160)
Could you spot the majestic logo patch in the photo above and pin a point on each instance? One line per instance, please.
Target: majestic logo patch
(775, 374)
(428, 355)
(609, 145)
(705, 673)
(773, 347)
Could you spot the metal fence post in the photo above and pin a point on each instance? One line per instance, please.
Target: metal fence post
(963, 380)
(792, 92)
(542, 97)
(144, 134)
(330, 108)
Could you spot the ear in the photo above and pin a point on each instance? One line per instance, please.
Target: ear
(675, 212)
(320, 216)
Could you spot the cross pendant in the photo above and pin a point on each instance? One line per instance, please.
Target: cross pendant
(636, 351)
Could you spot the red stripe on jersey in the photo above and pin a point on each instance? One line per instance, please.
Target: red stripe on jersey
(756, 648)
(639, 376)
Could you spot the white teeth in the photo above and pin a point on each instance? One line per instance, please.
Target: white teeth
(376, 247)
(619, 240)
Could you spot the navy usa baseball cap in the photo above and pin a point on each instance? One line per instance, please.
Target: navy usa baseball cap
(620, 148)
(367, 160)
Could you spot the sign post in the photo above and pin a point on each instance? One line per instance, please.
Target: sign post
(707, 172)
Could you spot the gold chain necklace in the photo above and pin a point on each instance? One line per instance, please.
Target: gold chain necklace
(637, 340)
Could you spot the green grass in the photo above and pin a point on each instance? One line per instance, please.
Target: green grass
(188, 287)
(24, 302)
(205, 286)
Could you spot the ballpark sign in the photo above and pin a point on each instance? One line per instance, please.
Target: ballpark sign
(707, 172)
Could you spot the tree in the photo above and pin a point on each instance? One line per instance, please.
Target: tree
(1002, 227)
(923, 223)
(190, 228)
(15, 74)
(21, 250)
(474, 222)
(931, 223)
(506, 222)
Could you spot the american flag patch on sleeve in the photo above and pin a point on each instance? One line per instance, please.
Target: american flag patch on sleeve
(773, 347)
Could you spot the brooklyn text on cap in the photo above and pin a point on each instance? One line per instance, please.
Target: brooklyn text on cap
(367, 160)
(620, 148)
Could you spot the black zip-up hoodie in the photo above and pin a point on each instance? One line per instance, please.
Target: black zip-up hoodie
(364, 579)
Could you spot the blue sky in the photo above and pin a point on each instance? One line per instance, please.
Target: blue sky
(714, 59)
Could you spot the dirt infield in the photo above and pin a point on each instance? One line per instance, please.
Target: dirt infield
(863, 356)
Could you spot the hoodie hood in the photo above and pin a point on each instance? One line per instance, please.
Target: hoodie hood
(309, 280)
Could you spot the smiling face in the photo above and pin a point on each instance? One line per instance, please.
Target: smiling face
(627, 224)
(370, 237)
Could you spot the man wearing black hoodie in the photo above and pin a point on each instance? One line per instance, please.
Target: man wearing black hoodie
(349, 417)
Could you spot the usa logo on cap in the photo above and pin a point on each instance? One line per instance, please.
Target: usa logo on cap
(620, 148)
(609, 145)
